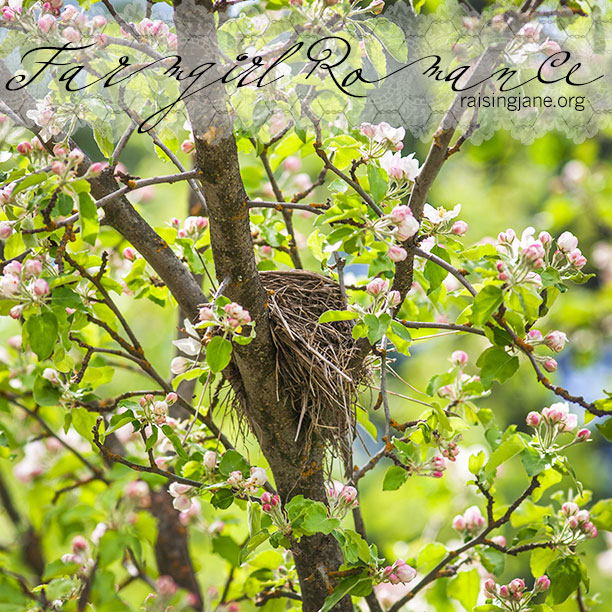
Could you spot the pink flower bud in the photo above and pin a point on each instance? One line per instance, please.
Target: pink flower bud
(171, 398)
(490, 587)
(533, 419)
(583, 434)
(6, 229)
(71, 34)
(499, 540)
(459, 228)
(96, 169)
(79, 544)
(166, 586)
(459, 523)
(99, 21)
(397, 253)
(550, 365)
(545, 238)
(188, 147)
(8, 14)
(543, 583)
(16, 311)
(266, 497)
(534, 335)
(504, 592)
(207, 314)
(24, 148)
(567, 242)
(507, 237)
(407, 228)
(266, 507)
(58, 167)
(129, 253)
(178, 488)
(210, 460)
(377, 287)
(400, 213)
(348, 494)
(573, 522)
(33, 267)
(577, 259)
(555, 340)
(41, 287)
(459, 358)
(516, 585)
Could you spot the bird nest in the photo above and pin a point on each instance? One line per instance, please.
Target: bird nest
(315, 362)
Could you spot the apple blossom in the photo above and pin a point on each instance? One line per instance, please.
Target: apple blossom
(567, 242)
(258, 476)
(179, 365)
(129, 253)
(24, 148)
(377, 287)
(550, 365)
(6, 229)
(210, 460)
(459, 358)
(33, 267)
(292, 163)
(166, 586)
(41, 287)
(397, 253)
(577, 259)
(71, 34)
(235, 479)
(459, 228)
(555, 340)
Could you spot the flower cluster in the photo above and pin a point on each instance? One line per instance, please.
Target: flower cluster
(398, 573)
(80, 555)
(399, 225)
(553, 421)
(470, 523)
(402, 172)
(574, 526)
(383, 298)
(271, 505)
(513, 596)
(156, 32)
(182, 496)
(137, 493)
(156, 411)
(382, 138)
(520, 259)
(463, 387)
(193, 227)
(248, 486)
(22, 282)
(440, 221)
(341, 499)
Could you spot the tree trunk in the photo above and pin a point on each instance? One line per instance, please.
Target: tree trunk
(296, 470)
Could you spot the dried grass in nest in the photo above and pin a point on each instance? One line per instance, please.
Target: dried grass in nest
(313, 359)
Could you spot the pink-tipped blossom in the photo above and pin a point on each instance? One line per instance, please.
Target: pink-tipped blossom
(459, 228)
(583, 434)
(129, 253)
(577, 259)
(533, 419)
(24, 148)
(542, 583)
(166, 586)
(41, 287)
(397, 253)
(6, 229)
(567, 242)
(459, 358)
(555, 340)
(377, 286)
(550, 365)
(71, 34)
(33, 268)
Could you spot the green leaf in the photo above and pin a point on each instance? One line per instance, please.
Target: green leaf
(540, 559)
(317, 521)
(222, 499)
(434, 273)
(233, 461)
(394, 478)
(533, 462)
(59, 568)
(377, 326)
(252, 543)
(152, 439)
(378, 185)
(605, 428)
(376, 55)
(344, 588)
(465, 588)
(565, 575)
(496, 364)
(88, 216)
(45, 392)
(476, 462)
(430, 556)
(505, 451)
(486, 302)
(218, 353)
(112, 548)
(226, 547)
(392, 37)
(29, 181)
(42, 333)
(84, 421)
(337, 315)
